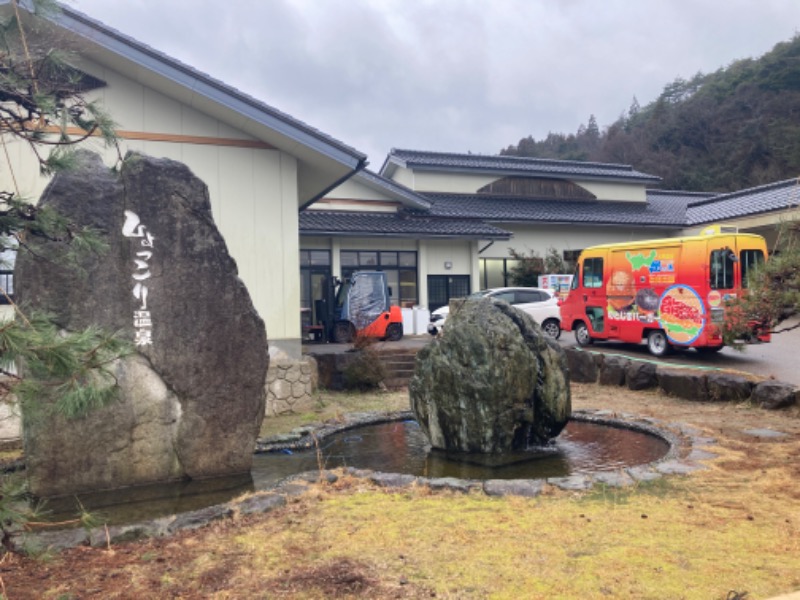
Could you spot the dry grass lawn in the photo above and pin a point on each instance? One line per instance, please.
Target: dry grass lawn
(729, 531)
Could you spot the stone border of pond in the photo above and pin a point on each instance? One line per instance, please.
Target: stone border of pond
(687, 449)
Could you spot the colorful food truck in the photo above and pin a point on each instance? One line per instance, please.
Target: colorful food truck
(670, 292)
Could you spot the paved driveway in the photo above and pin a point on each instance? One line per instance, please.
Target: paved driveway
(779, 359)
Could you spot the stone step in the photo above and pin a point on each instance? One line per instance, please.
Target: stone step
(396, 382)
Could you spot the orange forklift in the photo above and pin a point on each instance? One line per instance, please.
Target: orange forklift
(362, 307)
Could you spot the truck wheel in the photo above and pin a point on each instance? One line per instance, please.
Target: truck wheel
(552, 328)
(582, 335)
(343, 332)
(657, 343)
(394, 332)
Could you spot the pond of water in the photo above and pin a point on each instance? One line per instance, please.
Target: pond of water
(394, 447)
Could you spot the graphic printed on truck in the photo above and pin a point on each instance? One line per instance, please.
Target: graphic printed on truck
(642, 287)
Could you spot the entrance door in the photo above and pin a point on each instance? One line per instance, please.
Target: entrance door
(443, 287)
(313, 297)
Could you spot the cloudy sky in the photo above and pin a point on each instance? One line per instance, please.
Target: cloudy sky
(451, 75)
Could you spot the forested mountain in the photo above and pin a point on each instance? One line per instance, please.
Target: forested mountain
(736, 128)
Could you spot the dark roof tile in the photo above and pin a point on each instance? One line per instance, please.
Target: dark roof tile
(514, 165)
(753, 201)
(417, 224)
(662, 209)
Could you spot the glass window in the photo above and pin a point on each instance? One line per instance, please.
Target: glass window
(408, 288)
(403, 281)
(320, 258)
(393, 281)
(408, 259)
(721, 269)
(494, 272)
(6, 286)
(593, 272)
(7, 259)
(749, 260)
(507, 296)
(527, 296)
(348, 258)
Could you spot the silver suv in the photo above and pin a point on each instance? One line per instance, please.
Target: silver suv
(537, 302)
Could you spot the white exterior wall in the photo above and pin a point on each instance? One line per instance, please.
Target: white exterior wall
(620, 192)
(452, 183)
(253, 192)
(355, 190)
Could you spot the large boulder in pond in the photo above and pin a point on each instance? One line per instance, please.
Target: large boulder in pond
(192, 396)
(491, 383)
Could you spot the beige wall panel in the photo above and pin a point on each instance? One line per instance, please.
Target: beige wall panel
(457, 252)
(455, 183)
(164, 150)
(404, 177)
(289, 296)
(161, 114)
(227, 132)
(196, 123)
(356, 190)
(22, 173)
(204, 163)
(566, 238)
(354, 206)
(237, 205)
(621, 192)
(123, 98)
(377, 244)
(6, 313)
(313, 243)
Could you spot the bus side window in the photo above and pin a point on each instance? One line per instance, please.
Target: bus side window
(721, 271)
(593, 273)
(749, 260)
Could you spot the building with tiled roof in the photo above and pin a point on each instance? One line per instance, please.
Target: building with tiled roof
(533, 205)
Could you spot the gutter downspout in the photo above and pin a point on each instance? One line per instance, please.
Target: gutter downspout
(486, 247)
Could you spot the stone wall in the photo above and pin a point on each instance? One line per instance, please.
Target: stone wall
(290, 385)
(690, 384)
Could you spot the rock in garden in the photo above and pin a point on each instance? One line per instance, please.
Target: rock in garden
(491, 383)
(192, 395)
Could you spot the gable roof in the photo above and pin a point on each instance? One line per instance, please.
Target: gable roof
(753, 201)
(511, 165)
(406, 196)
(323, 162)
(422, 225)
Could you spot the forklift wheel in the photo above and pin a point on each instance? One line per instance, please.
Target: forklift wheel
(394, 332)
(343, 332)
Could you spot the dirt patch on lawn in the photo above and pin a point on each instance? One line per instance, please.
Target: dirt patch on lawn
(732, 527)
